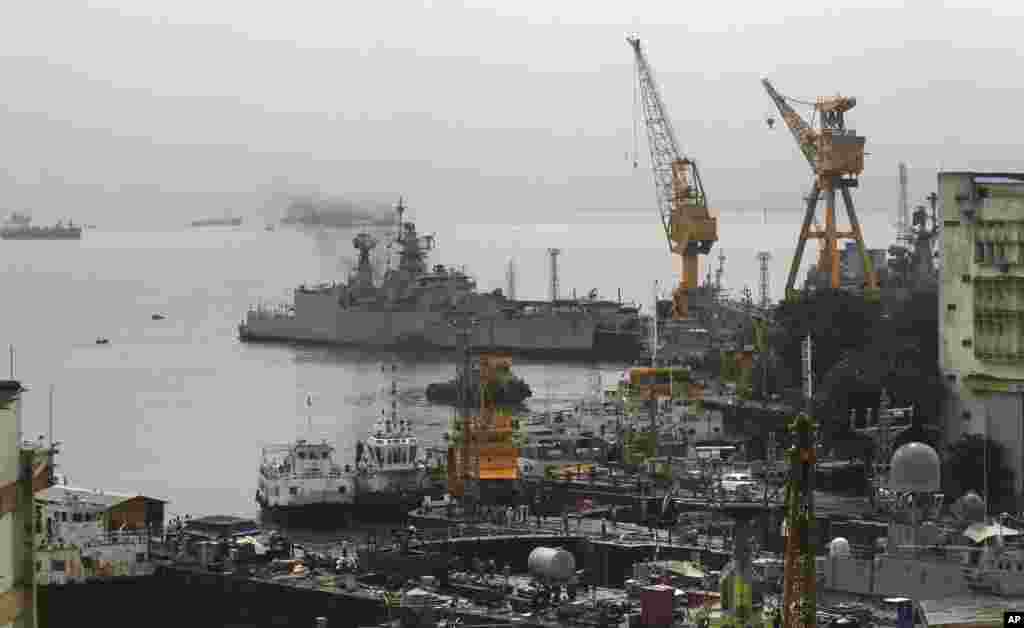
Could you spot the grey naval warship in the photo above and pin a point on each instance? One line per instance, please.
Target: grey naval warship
(416, 307)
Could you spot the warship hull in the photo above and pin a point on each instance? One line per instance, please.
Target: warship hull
(318, 318)
(426, 331)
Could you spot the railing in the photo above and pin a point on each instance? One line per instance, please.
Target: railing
(102, 540)
(333, 474)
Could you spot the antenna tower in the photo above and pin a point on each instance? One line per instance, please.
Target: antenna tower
(763, 257)
(510, 276)
(554, 253)
(719, 273)
(903, 217)
(765, 295)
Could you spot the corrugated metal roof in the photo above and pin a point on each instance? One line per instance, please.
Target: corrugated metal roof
(108, 499)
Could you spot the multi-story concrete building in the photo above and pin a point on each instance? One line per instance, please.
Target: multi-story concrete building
(25, 469)
(981, 308)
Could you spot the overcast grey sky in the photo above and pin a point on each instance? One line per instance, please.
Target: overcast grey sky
(142, 112)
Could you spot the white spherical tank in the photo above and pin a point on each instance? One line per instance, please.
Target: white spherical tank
(839, 547)
(551, 563)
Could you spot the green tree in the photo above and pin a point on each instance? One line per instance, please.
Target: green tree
(901, 357)
(964, 471)
(838, 321)
(640, 447)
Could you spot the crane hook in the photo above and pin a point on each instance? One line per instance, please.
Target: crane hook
(771, 122)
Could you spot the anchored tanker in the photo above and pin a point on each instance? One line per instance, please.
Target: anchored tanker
(419, 307)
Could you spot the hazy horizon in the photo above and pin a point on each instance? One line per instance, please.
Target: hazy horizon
(149, 115)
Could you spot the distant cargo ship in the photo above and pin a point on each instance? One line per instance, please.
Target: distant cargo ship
(27, 231)
(18, 218)
(418, 308)
(226, 221)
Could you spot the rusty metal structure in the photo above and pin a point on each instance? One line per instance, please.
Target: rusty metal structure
(836, 156)
(483, 454)
(799, 604)
(682, 203)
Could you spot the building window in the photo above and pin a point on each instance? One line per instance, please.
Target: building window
(951, 307)
(341, 489)
(293, 490)
(57, 565)
(140, 557)
(999, 319)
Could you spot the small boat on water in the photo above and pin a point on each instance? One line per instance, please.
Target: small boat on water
(102, 341)
(158, 317)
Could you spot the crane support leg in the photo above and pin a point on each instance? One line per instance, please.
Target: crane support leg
(680, 296)
(851, 214)
(812, 202)
(831, 248)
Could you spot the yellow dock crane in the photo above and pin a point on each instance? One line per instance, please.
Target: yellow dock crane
(836, 156)
(689, 228)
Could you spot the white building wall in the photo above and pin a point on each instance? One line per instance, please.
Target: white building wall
(12, 535)
(985, 394)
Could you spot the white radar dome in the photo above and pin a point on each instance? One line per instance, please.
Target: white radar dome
(839, 547)
(915, 469)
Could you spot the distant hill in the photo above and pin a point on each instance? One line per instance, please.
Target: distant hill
(338, 213)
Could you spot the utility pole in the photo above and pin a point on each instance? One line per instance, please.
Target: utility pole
(654, 328)
(808, 375)
(719, 273)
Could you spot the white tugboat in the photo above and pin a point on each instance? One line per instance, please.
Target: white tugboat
(390, 473)
(303, 478)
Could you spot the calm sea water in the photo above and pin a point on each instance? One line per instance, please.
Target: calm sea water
(178, 409)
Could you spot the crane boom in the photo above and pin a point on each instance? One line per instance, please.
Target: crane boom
(682, 202)
(802, 132)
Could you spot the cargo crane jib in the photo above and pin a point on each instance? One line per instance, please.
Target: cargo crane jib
(682, 203)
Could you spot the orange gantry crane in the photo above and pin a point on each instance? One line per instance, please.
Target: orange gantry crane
(689, 227)
(836, 156)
